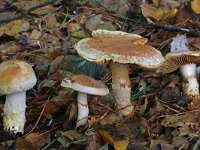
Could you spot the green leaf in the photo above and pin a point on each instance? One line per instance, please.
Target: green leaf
(78, 65)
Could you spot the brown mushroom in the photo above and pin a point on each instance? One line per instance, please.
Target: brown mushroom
(186, 61)
(84, 85)
(121, 49)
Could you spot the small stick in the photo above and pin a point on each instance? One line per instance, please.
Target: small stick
(171, 28)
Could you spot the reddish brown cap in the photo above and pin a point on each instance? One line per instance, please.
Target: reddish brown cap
(85, 84)
(174, 60)
(119, 47)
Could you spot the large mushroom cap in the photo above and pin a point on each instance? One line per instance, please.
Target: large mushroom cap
(174, 60)
(16, 76)
(119, 47)
(86, 84)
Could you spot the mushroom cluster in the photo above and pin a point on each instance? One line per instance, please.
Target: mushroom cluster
(120, 49)
(16, 77)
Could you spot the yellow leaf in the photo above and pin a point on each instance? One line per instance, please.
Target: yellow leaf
(171, 13)
(141, 41)
(152, 12)
(157, 13)
(14, 27)
(196, 6)
(118, 145)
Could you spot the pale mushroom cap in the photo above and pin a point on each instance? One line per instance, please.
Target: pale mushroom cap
(16, 76)
(86, 84)
(174, 60)
(119, 47)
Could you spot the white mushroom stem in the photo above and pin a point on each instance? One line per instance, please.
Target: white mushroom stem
(121, 86)
(190, 85)
(14, 112)
(83, 109)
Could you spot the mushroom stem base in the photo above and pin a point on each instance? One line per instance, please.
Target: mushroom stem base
(83, 109)
(191, 87)
(14, 112)
(123, 102)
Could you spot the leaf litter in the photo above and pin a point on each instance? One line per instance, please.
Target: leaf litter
(45, 38)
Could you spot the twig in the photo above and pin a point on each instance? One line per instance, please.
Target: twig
(26, 12)
(192, 32)
(37, 119)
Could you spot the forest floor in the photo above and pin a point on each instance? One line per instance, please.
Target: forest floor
(43, 33)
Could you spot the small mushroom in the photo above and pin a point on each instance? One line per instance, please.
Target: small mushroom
(16, 77)
(181, 57)
(186, 61)
(84, 85)
(121, 49)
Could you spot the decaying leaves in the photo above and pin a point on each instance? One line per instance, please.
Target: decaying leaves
(14, 27)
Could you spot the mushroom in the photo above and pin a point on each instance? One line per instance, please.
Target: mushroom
(84, 85)
(181, 57)
(186, 61)
(16, 77)
(121, 49)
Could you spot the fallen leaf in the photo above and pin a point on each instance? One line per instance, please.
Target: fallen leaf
(195, 5)
(24, 5)
(92, 143)
(53, 67)
(14, 27)
(92, 23)
(70, 115)
(92, 121)
(181, 141)
(118, 145)
(167, 4)
(54, 106)
(157, 13)
(34, 37)
(33, 141)
(10, 48)
(46, 83)
(50, 21)
(75, 30)
(187, 121)
(78, 65)
(73, 135)
(6, 14)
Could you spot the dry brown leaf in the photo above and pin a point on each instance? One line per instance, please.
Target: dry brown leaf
(54, 66)
(24, 5)
(92, 121)
(73, 135)
(163, 144)
(71, 115)
(50, 21)
(33, 141)
(10, 48)
(181, 141)
(180, 120)
(54, 105)
(14, 27)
